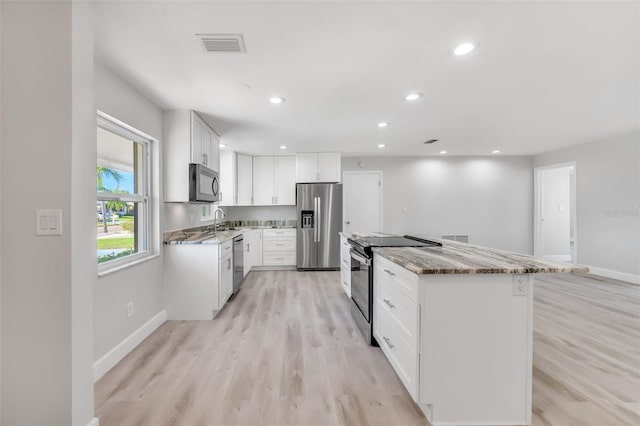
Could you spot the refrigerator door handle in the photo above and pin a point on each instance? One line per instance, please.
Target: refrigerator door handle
(318, 221)
(316, 211)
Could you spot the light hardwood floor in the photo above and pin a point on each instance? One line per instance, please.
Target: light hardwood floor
(286, 351)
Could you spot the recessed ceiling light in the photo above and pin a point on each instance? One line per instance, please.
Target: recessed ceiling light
(443, 152)
(463, 49)
(413, 96)
(495, 151)
(276, 100)
(283, 147)
(223, 145)
(380, 145)
(383, 124)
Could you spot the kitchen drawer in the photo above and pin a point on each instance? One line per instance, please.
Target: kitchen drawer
(274, 258)
(403, 358)
(225, 248)
(402, 279)
(404, 311)
(279, 233)
(280, 244)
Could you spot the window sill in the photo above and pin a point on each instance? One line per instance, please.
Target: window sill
(119, 268)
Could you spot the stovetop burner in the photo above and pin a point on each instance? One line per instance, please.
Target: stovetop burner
(364, 245)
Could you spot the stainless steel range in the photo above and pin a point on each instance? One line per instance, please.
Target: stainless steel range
(362, 276)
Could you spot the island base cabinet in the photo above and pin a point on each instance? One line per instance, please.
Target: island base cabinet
(476, 349)
(460, 343)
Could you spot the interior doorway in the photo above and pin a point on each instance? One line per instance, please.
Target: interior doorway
(555, 212)
(362, 201)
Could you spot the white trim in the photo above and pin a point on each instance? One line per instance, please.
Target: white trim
(558, 257)
(616, 275)
(380, 209)
(131, 261)
(115, 355)
(94, 422)
(537, 206)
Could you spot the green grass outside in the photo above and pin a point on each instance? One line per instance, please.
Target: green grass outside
(115, 243)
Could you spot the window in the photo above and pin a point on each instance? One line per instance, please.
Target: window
(122, 185)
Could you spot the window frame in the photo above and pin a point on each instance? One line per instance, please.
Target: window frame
(113, 125)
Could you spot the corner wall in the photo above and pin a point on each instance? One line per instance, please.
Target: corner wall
(608, 203)
(142, 284)
(47, 110)
(488, 198)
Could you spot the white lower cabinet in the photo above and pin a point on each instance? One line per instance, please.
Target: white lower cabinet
(279, 247)
(226, 278)
(198, 279)
(252, 249)
(460, 343)
(345, 265)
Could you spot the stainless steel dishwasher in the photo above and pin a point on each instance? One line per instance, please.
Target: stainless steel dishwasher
(238, 262)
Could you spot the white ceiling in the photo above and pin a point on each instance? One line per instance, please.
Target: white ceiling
(544, 75)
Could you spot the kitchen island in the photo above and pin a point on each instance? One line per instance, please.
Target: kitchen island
(456, 324)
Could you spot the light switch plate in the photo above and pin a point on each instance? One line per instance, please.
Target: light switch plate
(49, 222)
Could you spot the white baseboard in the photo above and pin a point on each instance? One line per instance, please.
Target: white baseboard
(558, 257)
(608, 273)
(111, 358)
(94, 422)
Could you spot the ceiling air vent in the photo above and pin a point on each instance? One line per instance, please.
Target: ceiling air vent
(431, 141)
(222, 42)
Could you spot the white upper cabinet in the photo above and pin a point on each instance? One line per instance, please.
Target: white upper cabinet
(318, 167)
(285, 180)
(228, 178)
(204, 143)
(187, 139)
(244, 169)
(263, 182)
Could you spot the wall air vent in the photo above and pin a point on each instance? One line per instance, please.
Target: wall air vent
(222, 42)
(430, 141)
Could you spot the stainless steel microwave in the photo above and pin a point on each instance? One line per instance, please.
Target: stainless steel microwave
(204, 184)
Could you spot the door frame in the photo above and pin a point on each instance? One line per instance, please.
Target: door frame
(381, 185)
(538, 238)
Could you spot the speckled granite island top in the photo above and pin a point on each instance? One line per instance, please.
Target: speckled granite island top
(461, 258)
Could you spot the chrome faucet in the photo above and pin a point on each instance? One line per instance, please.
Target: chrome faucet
(215, 217)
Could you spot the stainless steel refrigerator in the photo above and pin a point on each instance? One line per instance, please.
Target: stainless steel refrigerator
(319, 207)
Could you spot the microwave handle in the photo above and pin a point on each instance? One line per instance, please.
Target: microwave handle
(214, 187)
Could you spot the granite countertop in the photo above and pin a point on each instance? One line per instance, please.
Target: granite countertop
(205, 234)
(365, 234)
(461, 258)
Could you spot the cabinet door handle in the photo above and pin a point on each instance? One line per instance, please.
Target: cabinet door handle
(388, 342)
(248, 247)
(388, 302)
(228, 263)
(279, 244)
(389, 272)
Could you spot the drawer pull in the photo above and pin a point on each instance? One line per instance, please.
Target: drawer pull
(388, 302)
(389, 272)
(279, 244)
(388, 342)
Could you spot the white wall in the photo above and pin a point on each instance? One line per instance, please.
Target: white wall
(608, 201)
(556, 211)
(142, 284)
(47, 143)
(487, 198)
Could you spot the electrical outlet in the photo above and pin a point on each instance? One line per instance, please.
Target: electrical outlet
(129, 309)
(520, 285)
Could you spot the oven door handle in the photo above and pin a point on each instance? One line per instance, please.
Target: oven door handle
(359, 258)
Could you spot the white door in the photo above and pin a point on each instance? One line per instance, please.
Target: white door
(307, 167)
(263, 185)
(244, 179)
(555, 215)
(362, 201)
(285, 180)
